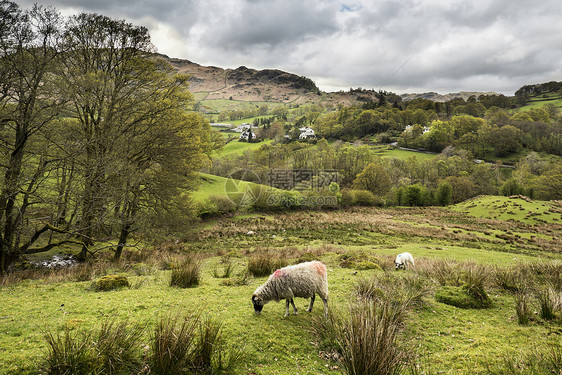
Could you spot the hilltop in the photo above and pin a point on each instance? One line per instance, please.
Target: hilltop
(273, 85)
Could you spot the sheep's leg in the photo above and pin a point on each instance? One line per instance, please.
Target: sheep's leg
(294, 307)
(311, 303)
(325, 300)
(287, 306)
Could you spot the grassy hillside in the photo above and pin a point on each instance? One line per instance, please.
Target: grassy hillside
(356, 245)
(235, 147)
(519, 209)
(212, 185)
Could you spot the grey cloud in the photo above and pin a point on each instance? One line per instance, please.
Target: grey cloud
(259, 24)
(430, 45)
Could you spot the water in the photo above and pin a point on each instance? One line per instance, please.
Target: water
(57, 261)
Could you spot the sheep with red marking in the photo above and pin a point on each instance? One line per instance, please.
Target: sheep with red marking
(303, 280)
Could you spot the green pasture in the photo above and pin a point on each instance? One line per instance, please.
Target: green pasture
(236, 147)
(212, 185)
(405, 154)
(226, 105)
(517, 209)
(447, 339)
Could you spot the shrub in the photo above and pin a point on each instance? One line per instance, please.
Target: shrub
(364, 198)
(110, 282)
(187, 274)
(223, 203)
(509, 279)
(210, 354)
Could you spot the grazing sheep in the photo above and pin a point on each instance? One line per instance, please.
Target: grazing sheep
(404, 259)
(301, 280)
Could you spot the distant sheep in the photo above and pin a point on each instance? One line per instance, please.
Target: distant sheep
(301, 280)
(404, 259)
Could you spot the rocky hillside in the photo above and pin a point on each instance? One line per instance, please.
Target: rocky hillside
(245, 84)
(271, 85)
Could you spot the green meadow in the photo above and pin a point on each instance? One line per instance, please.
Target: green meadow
(487, 236)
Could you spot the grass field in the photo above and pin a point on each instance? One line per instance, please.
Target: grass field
(236, 148)
(447, 339)
(405, 154)
(518, 209)
(212, 185)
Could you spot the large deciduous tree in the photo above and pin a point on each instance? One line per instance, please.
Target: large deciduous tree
(132, 124)
(29, 49)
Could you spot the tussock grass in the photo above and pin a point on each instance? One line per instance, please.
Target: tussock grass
(264, 262)
(191, 344)
(367, 337)
(186, 274)
(113, 349)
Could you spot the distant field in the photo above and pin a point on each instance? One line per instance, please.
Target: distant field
(505, 208)
(541, 100)
(212, 185)
(405, 154)
(222, 105)
(236, 148)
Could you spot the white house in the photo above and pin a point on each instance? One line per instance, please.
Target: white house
(245, 135)
(306, 133)
(409, 129)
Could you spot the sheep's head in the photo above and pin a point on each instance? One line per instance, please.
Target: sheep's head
(258, 303)
(399, 266)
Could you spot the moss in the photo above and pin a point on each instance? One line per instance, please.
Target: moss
(359, 260)
(110, 282)
(460, 297)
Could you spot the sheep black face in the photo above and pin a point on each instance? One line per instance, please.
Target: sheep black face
(399, 266)
(258, 304)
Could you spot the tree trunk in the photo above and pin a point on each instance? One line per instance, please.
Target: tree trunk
(125, 230)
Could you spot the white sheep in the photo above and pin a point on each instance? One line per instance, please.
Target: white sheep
(301, 280)
(404, 259)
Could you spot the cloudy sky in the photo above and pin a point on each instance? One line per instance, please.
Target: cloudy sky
(400, 46)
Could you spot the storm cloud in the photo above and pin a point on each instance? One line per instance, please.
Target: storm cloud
(407, 46)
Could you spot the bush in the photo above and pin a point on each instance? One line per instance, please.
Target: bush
(187, 274)
(223, 203)
(110, 282)
(364, 198)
